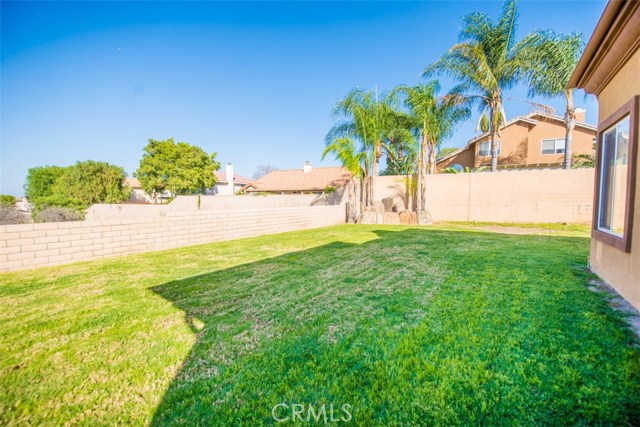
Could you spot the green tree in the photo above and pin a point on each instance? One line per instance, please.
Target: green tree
(89, 182)
(77, 186)
(550, 59)
(40, 180)
(366, 118)
(434, 119)
(486, 61)
(179, 168)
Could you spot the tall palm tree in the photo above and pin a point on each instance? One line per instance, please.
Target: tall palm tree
(355, 161)
(434, 119)
(550, 59)
(486, 61)
(366, 118)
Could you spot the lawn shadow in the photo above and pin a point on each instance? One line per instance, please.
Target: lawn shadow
(344, 323)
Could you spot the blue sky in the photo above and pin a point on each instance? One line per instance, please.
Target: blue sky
(254, 82)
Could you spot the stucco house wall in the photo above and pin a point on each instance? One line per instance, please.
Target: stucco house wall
(610, 69)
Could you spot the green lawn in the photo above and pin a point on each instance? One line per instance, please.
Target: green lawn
(445, 325)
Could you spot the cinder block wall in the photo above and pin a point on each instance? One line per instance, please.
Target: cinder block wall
(35, 245)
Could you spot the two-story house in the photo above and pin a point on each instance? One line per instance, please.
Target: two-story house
(536, 140)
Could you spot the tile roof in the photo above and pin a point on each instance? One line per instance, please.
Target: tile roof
(132, 182)
(237, 179)
(297, 180)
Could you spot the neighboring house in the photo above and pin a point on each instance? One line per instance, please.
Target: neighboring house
(527, 142)
(308, 180)
(610, 69)
(228, 183)
(138, 195)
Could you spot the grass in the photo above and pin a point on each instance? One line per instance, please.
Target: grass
(445, 325)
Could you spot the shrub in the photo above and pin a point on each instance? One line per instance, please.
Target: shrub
(7, 200)
(58, 214)
(10, 215)
(329, 189)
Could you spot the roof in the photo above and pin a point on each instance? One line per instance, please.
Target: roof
(297, 180)
(221, 177)
(132, 182)
(528, 118)
(615, 38)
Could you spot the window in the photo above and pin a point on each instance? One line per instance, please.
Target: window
(552, 146)
(615, 175)
(485, 149)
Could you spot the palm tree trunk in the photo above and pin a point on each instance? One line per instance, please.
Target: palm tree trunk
(422, 174)
(494, 112)
(377, 153)
(570, 123)
(432, 159)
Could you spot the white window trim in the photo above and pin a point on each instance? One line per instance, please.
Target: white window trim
(555, 146)
(614, 129)
(489, 150)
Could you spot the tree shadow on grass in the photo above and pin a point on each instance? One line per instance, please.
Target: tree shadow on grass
(417, 327)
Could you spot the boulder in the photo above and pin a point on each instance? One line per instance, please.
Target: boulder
(368, 217)
(405, 217)
(378, 207)
(379, 218)
(391, 218)
(388, 204)
(398, 204)
(414, 218)
(424, 218)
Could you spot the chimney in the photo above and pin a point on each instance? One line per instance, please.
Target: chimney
(307, 167)
(581, 115)
(229, 175)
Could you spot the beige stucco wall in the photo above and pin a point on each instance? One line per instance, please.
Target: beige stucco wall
(536, 196)
(34, 245)
(620, 269)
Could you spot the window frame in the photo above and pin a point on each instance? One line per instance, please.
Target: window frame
(555, 149)
(630, 108)
(489, 151)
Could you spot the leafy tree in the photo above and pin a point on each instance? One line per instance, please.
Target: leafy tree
(89, 182)
(77, 186)
(433, 120)
(550, 59)
(180, 168)
(263, 170)
(486, 61)
(40, 180)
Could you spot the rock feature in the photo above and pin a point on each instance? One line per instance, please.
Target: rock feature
(388, 204)
(391, 218)
(424, 218)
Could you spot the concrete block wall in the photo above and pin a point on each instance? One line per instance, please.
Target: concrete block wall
(26, 246)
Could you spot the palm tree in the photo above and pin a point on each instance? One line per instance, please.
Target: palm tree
(367, 119)
(433, 120)
(487, 61)
(550, 60)
(355, 161)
